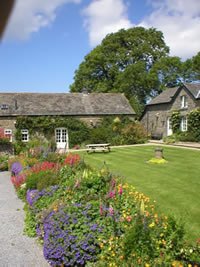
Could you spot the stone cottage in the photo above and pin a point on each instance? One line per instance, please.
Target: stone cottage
(86, 107)
(156, 117)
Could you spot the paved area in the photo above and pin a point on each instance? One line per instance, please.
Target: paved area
(16, 249)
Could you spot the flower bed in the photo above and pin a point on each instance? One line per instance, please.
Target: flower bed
(92, 216)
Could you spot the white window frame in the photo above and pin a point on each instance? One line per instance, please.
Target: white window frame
(61, 138)
(184, 124)
(8, 132)
(184, 103)
(25, 135)
(4, 107)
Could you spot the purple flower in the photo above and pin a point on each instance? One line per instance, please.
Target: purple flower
(16, 168)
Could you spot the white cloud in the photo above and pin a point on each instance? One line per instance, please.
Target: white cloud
(103, 17)
(30, 15)
(180, 23)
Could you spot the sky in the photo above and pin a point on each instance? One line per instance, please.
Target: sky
(46, 40)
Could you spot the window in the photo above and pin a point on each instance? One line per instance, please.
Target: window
(8, 134)
(25, 136)
(184, 103)
(184, 124)
(4, 106)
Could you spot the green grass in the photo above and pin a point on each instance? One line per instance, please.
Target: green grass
(175, 186)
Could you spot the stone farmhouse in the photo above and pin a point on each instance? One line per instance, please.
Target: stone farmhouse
(86, 107)
(156, 117)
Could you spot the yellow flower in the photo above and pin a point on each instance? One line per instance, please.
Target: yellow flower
(102, 257)
(152, 224)
(101, 245)
(161, 234)
(147, 265)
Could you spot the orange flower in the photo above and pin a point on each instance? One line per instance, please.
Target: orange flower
(55, 208)
(139, 260)
(121, 257)
(133, 254)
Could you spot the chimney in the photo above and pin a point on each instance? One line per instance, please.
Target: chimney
(84, 91)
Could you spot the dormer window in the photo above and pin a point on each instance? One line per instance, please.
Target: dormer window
(184, 103)
(4, 107)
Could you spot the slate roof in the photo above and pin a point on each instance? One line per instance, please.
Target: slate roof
(168, 94)
(28, 104)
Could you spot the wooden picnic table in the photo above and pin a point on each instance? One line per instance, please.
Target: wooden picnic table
(99, 147)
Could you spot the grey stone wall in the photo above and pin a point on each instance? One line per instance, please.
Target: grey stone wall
(155, 118)
(6, 149)
(8, 123)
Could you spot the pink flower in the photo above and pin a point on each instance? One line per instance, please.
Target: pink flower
(120, 190)
(113, 183)
(111, 211)
(77, 184)
(110, 194)
(101, 208)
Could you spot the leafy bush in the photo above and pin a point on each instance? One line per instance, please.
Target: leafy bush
(194, 123)
(4, 163)
(134, 133)
(48, 178)
(176, 121)
(99, 135)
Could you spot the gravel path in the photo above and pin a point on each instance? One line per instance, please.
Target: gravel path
(16, 249)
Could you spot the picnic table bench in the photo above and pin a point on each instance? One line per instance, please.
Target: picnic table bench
(98, 147)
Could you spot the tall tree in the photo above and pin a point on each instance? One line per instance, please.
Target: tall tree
(122, 63)
(196, 65)
(171, 71)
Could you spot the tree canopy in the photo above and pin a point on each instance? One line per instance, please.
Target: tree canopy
(135, 62)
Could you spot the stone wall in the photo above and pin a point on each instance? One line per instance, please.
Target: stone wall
(8, 123)
(155, 117)
(6, 149)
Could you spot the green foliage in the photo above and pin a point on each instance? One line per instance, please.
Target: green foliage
(32, 180)
(41, 180)
(134, 133)
(196, 65)
(171, 139)
(45, 125)
(171, 71)
(157, 161)
(55, 157)
(122, 63)
(194, 123)
(46, 179)
(4, 141)
(118, 131)
(4, 163)
(176, 121)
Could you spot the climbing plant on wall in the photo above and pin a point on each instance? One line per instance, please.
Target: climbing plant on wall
(78, 131)
(176, 121)
(194, 123)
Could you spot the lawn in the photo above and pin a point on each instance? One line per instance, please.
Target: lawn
(175, 186)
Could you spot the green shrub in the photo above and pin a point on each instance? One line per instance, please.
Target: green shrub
(187, 137)
(42, 179)
(55, 157)
(194, 123)
(134, 133)
(32, 180)
(48, 178)
(99, 135)
(176, 121)
(4, 163)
